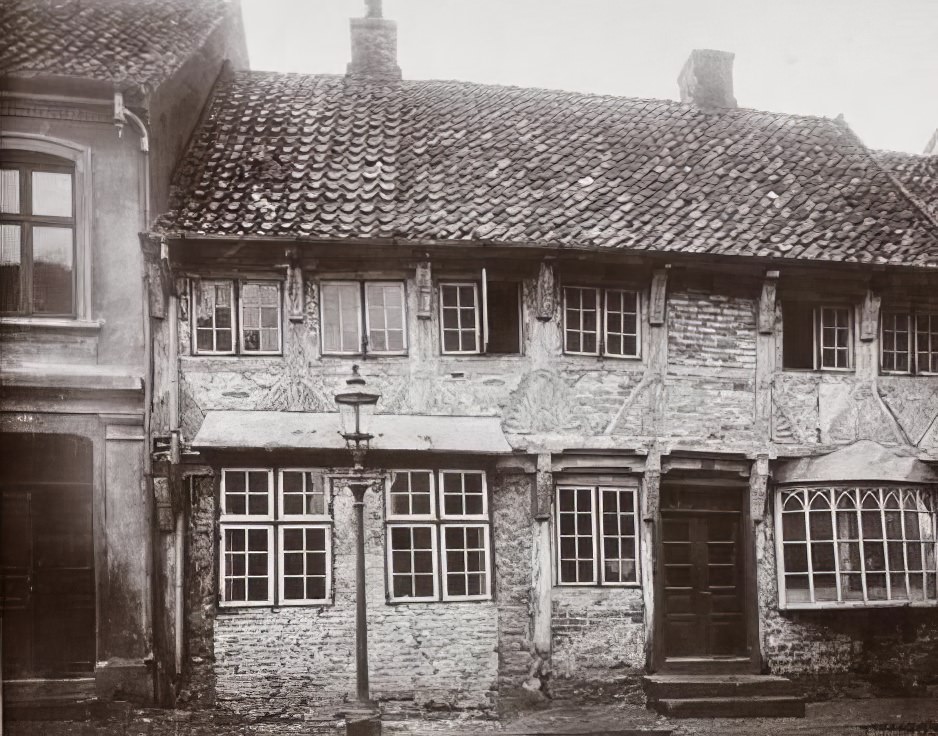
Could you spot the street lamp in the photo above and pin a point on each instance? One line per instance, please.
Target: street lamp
(356, 407)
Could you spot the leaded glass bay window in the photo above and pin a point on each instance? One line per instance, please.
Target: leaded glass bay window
(866, 545)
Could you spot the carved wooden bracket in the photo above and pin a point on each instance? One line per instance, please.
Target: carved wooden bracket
(869, 320)
(182, 287)
(767, 303)
(658, 300)
(546, 292)
(424, 290)
(296, 294)
(758, 485)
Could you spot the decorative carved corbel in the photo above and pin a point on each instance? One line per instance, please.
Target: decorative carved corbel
(767, 303)
(758, 485)
(658, 300)
(546, 291)
(296, 295)
(869, 321)
(424, 278)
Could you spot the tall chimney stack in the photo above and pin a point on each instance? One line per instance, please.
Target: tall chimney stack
(707, 79)
(374, 45)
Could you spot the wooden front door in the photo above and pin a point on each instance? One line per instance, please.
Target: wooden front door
(47, 562)
(702, 593)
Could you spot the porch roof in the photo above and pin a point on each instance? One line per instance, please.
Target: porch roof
(290, 430)
(864, 460)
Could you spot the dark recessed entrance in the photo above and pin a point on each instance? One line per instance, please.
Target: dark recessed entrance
(46, 556)
(701, 565)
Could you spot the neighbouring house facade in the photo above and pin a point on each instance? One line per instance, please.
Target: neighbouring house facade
(657, 388)
(97, 101)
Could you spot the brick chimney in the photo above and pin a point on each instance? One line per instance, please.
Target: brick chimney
(374, 45)
(707, 79)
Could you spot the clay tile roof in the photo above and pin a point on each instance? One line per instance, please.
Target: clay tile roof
(917, 174)
(131, 41)
(323, 157)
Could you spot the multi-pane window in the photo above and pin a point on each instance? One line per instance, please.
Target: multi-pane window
(817, 337)
(222, 329)
(596, 530)
(856, 546)
(460, 318)
(909, 342)
(438, 536)
(601, 321)
(363, 317)
(276, 538)
(476, 320)
(37, 235)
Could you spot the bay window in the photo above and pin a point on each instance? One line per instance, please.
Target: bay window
(862, 545)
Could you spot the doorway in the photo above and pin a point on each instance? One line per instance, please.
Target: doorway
(47, 556)
(702, 612)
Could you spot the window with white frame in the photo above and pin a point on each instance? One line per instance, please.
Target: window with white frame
(438, 536)
(909, 342)
(858, 546)
(361, 317)
(233, 317)
(481, 317)
(596, 535)
(601, 322)
(817, 337)
(275, 538)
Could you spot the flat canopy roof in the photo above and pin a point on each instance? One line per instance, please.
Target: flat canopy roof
(863, 460)
(294, 430)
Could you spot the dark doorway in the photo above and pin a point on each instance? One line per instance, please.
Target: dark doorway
(46, 556)
(702, 592)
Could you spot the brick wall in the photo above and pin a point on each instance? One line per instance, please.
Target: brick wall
(598, 641)
(273, 662)
(709, 329)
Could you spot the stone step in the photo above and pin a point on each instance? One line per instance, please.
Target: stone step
(756, 706)
(658, 687)
(708, 665)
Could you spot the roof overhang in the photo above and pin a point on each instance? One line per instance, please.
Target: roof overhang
(289, 430)
(864, 460)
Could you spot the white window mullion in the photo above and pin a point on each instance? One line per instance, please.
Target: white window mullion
(885, 542)
(836, 537)
(808, 549)
(905, 550)
(866, 597)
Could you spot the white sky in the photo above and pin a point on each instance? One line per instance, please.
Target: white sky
(875, 61)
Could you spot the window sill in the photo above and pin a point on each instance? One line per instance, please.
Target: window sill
(436, 601)
(53, 323)
(820, 371)
(856, 606)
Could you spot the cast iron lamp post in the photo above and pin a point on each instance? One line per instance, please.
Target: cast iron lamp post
(355, 408)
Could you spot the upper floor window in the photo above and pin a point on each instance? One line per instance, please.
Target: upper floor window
(909, 342)
(237, 317)
(37, 235)
(817, 337)
(597, 535)
(856, 546)
(480, 317)
(601, 322)
(438, 536)
(276, 538)
(360, 317)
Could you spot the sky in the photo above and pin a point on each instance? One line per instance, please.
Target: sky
(874, 61)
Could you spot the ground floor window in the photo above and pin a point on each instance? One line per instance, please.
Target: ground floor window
(438, 535)
(275, 538)
(856, 545)
(597, 540)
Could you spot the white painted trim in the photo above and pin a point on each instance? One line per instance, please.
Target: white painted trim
(326, 500)
(236, 518)
(487, 551)
(443, 330)
(484, 516)
(599, 320)
(557, 558)
(281, 576)
(635, 529)
(242, 348)
(80, 156)
(271, 552)
(389, 557)
(194, 318)
(322, 316)
(431, 516)
(367, 315)
(638, 324)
